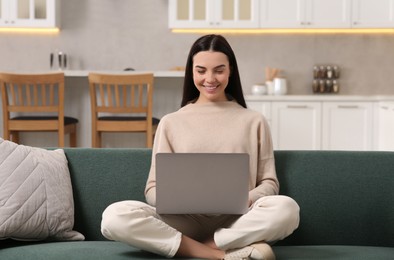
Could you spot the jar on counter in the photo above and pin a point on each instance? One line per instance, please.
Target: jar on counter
(259, 89)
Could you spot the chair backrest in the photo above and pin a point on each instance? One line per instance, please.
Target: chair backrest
(35, 94)
(121, 93)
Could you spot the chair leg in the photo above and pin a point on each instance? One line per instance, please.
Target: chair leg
(149, 140)
(14, 137)
(60, 136)
(96, 139)
(60, 139)
(7, 135)
(73, 139)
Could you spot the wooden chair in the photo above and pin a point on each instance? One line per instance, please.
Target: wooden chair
(35, 103)
(122, 103)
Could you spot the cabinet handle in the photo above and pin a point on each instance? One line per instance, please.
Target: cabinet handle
(385, 108)
(214, 23)
(347, 107)
(298, 107)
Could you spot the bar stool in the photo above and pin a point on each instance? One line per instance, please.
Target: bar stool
(122, 103)
(35, 103)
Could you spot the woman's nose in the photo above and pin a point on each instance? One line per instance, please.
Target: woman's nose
(210, 77)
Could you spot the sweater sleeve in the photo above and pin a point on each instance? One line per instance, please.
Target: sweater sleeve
(161, 144)
(266, 180)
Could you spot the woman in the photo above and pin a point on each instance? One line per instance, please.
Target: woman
(213, 118)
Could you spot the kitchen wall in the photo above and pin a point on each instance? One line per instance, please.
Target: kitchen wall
(113, 35)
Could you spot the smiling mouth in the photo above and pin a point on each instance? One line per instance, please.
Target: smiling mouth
(211, 87)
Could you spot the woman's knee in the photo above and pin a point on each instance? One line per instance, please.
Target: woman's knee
(117, 216)
(285, 209)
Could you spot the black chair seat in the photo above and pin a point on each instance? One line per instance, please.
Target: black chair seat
(67, 120)
(155, 120)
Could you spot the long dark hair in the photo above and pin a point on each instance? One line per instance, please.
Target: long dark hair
(212, 42)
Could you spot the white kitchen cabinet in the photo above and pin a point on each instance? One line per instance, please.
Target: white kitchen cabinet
(282, 13)
(329, 14)
(328, 122)
(262, 107)
(347, 126)
(296, 125)
(305, 14)
(213, 13)
(29, 13)
(386, 126)
(372, 14)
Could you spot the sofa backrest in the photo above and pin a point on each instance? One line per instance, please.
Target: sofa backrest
(346, 198)
(103, 176)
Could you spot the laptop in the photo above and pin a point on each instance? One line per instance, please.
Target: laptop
(202, 183)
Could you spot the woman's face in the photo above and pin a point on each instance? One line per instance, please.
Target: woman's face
(211, 71)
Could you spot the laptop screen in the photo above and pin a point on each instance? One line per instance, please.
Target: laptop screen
(202, 183)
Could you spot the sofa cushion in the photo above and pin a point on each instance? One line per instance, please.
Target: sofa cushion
(36, 201)
(84, 250)
(97, 250)
(334, 252)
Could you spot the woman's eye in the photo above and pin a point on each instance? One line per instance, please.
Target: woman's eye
(200, 71)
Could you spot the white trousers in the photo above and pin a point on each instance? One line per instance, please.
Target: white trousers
(269, 219)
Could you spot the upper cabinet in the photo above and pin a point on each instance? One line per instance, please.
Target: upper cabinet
(305, 14)
(28, 13)
(213, 14)
(373, 14)
(302, 14)
(328, 14)
(282, 13)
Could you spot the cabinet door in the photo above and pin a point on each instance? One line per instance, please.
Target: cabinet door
(386, 127)
(237, 14)
(282, 13)
(347, 126)
(189, 13)
(30, 13)
(213, 14)
(328, 14)
(373, 14)
(5, 13)
(296, 125)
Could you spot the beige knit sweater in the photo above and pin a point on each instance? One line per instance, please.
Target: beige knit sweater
(218, 127)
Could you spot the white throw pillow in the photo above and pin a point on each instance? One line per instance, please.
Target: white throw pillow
(36, 199)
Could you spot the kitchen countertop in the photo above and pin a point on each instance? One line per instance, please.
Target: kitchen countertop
(248, 97)
(319, 97)
(162, 74)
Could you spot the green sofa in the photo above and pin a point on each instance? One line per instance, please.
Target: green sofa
(346, 200)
